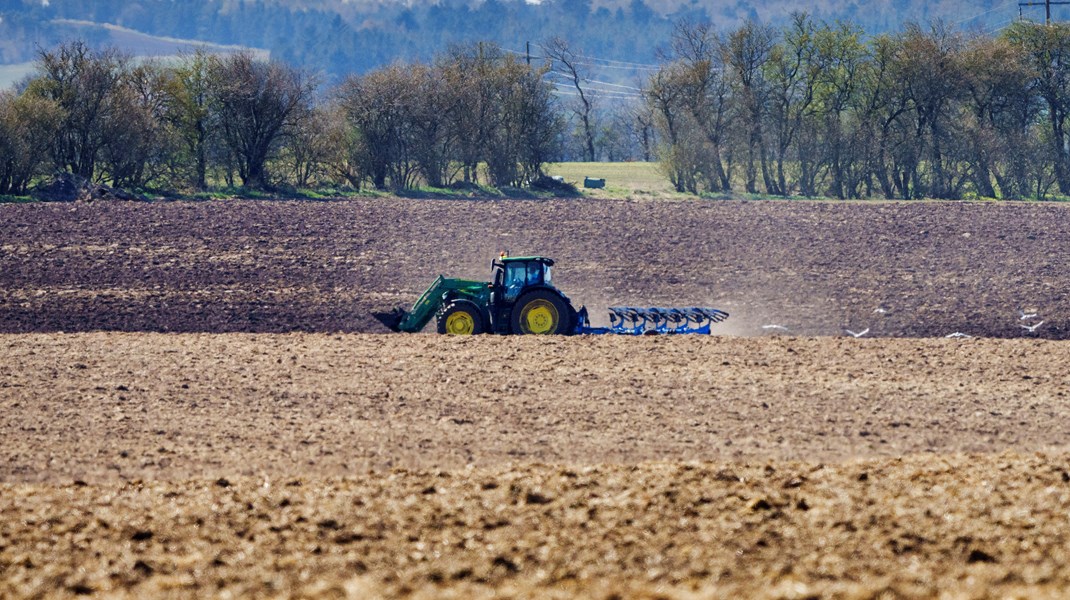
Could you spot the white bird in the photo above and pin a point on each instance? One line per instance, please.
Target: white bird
(958, 334)
(1032, 328)
(1024, 315)
(779, 327)
(880, 310)
(859, 334)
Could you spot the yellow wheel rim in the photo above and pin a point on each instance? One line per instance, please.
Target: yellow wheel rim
(460, 323)
(539, 316)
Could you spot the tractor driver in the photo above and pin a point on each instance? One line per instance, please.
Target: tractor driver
(534, 273)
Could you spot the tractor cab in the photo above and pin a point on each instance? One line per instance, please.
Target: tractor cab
(514, 275)
(517, 277)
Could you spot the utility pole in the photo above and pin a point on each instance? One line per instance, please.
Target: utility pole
(1047, 4)
(529, 53)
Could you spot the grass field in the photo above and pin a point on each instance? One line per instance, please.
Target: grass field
(623, 180)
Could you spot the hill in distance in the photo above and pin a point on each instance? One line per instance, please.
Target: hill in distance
(337, 37)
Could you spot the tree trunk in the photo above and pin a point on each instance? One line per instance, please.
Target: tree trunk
(202, 157)
(1062, 173)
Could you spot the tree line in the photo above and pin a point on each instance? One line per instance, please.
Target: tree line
(475, 115)
(815, 109)
(808, 109)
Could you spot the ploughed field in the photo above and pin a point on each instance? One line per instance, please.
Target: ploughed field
(283, 446)
(815, 268)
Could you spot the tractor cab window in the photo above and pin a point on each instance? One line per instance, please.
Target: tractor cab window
(520, 275)
(515, 276)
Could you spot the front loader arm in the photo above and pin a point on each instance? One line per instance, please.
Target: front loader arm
(431, 300)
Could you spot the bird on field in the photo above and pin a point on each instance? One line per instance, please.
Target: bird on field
(777, 327)
(859, 334)
(958, 335)
(1032, 328)
(880, 310)
(1022, 315)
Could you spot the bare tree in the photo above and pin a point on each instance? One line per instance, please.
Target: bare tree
(998, 111)
(309, 148)
(343, 160)
(84, 83)
(29, 125)
(138, 145)
(643, 130)
(746, 52)
(841, 56)
(432, 113)
(471, 74)
(1047, 52)
(927, 64)
(794, 73)
(565, 62)
(666, 94)
(708, 97)
(379, 107)
(258, 104)
(528, 125)
(189, 112)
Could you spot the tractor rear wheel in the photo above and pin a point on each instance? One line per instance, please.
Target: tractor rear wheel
(541, 312)
(460, 318)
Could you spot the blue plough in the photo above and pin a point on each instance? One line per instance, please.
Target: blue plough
(630, 320)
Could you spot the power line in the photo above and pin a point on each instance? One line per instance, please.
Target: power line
(586, 90)
(621, 64)
(616, 85)
(614, 93)
(589, 64)
(595, 81)
(599, 94)
(991, 10)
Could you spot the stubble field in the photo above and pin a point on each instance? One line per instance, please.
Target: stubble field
(195, 400)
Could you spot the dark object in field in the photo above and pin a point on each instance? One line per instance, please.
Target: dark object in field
(591, 182)
(555, 185)
(67, 187)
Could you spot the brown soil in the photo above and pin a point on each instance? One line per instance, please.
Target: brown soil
(816, 268)
(343, 464)
(107, 406)
(185, 465)
(990, 526)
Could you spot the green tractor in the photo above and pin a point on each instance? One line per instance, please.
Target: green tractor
(521, 299)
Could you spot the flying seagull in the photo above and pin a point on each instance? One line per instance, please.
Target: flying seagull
(859, 334)
(1032, 328)
(958, 335)
(1024, 315)
(880, 310)
(778, 327)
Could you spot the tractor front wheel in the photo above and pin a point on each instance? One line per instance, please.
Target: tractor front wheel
(541, 312)
(460, 318)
